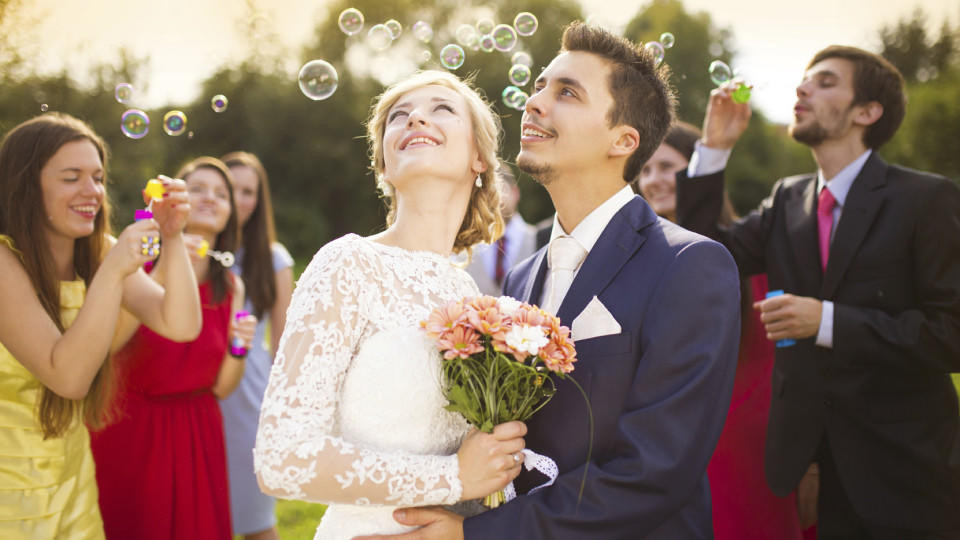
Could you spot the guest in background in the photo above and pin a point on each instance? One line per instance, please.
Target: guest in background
(744, 507)
(491, 262)
(65, 282)
(267, 271)
(161, 467)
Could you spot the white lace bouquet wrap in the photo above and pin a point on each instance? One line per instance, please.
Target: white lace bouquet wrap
(500, 357)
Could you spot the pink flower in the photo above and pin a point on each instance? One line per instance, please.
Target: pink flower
(559, 354)
(459, 342)
(488, 321)
(443, 319)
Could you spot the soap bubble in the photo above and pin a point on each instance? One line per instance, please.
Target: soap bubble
(526, 23)
(395, 28)
(135, 124)
(379, 37)
(521, 57)
(318, 80)
(485, 26)
(719, 72)
(487, 44)
(175, 123)
(351, 21)
(504, 37)
(519, 75)
(514, 98)
(452, 56)
(44, 107)
(423, 31)
(123, 92)
(667, 40)
(656, 50)
(467, 35)
(425, 56)
(219, 103)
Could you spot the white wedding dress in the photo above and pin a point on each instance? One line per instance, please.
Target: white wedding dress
(353, 414)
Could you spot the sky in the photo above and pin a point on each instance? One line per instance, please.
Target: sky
(187, 40)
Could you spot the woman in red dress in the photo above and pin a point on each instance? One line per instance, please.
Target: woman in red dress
(744, 507)
(161, 467)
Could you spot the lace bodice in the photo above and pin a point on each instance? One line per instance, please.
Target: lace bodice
(353, 411)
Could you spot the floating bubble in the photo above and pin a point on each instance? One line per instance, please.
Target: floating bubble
(485, 26)
(656, 50)
(519, 75)
(520, 100)
(514, 98)
(135, 124)
(351, 21)
(719, 72)
(667, 40)
(123, 92)
(452, 56)
(379, 37)
(44, 107)
(526, 23)
(467, 35)
(318, 80)
(742, 94)
(175, 123)
(423, 31)
(504, 37)
(426, 56)
(395, 28)
(522, 57)
(219, 103)
(487, 44)
(189, 134)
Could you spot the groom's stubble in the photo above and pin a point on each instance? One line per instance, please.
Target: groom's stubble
(542, 173)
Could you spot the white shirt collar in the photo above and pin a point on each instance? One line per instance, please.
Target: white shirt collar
(841, 183)
(589, 230)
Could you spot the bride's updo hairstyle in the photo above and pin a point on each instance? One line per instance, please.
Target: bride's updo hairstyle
(482, 221)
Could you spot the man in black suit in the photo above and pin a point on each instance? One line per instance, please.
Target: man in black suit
(868, 255)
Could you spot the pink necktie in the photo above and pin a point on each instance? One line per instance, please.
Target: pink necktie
(824, 224)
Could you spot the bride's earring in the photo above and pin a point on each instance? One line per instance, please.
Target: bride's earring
(478, 182)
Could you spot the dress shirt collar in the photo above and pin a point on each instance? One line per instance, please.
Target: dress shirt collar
(588, 231)
(841, 183)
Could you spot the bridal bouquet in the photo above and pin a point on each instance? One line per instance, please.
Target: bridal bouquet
(500, 357)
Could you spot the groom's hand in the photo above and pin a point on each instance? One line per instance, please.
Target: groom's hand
(436, 524)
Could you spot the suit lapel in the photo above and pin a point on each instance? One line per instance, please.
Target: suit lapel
(621, 238)
(801, 220)
(533, 289)
(859, 210)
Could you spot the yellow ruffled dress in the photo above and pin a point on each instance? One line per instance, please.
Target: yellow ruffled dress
(47, 487)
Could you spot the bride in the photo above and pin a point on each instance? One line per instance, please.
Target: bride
(353, 414)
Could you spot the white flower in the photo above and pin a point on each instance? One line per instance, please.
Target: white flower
(526, 338)
(508, 305)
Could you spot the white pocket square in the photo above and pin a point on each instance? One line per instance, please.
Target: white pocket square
(594, 321)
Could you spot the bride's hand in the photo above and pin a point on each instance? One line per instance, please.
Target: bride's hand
(489, 461)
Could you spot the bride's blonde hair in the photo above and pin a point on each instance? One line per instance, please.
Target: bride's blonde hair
(482, 221)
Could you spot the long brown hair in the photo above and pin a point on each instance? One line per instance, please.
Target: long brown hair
(257, 237)
(227, 238)
(25, 150)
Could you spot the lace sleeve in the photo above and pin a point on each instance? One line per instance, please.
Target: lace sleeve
(299, 452)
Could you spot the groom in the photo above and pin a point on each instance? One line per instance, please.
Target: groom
(654, 310)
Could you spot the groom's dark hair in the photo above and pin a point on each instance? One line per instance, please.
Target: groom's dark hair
(642, 97)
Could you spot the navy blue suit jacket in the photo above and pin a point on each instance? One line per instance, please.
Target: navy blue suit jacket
(659, 390)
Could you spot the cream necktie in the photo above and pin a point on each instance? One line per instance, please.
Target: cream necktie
(564, 257)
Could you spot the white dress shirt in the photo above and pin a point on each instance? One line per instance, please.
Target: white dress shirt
(588, 231)
(706, 160)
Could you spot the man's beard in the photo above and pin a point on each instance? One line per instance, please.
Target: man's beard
(541, 172)
(811, 135)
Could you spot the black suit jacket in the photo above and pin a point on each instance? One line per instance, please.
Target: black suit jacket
(882, 395)
(659, 389)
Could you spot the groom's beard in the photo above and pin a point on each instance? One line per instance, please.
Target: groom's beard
(541, 172)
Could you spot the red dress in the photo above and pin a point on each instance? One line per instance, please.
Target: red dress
(744, 508)
(161, 466)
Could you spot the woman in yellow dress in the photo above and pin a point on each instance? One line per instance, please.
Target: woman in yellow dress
(70, 294)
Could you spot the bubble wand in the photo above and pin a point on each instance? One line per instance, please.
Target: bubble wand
(720, 73)
(223, 257)
(150, 245)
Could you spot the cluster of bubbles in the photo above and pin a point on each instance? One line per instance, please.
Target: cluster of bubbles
(135, 124)
(175, 123)
(318, 80)
(657, 49)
